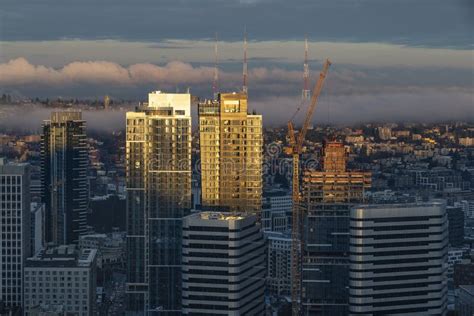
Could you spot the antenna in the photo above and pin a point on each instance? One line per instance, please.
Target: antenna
(244, 72)
(215, 84)
(305, 93)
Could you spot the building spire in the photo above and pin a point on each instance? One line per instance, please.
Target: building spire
(215, 84)
(305, 93)
(244, 72)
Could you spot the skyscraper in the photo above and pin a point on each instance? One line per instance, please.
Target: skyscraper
(15, 230)
(398, 259)
(231, 154)
(64, 158)
(158, 171)
(223, 264)
(327, 197)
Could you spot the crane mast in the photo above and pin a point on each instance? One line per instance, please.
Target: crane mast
(296, 146)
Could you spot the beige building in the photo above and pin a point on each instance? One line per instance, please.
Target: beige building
(231, 154)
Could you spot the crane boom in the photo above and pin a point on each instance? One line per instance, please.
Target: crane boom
(296, 146)
(313, 103)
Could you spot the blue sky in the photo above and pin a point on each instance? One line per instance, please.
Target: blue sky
(417, 53)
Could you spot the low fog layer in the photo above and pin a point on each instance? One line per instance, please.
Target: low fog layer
(351, 95)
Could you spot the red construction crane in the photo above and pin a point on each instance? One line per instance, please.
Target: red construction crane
(295, 149)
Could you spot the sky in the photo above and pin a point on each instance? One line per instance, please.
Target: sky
(392, 59)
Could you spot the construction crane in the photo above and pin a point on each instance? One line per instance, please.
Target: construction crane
(295, 149)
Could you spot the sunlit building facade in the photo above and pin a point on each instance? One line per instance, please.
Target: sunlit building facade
(158, 171)
(231, 154)
(327, 197)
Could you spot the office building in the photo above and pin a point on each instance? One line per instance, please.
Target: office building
(14, 230)
(465, 300)
(276, 210)
(61, 276)
(158, 178)
(64, 158)
(327, 197)
(463, 273)
(110, 248)
(223, 264)
(456, 225)
(278, 264)
(231, 154)
(398, 259)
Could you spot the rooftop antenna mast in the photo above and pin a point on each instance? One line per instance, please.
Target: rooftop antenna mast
(215, 84)
(244, 72)
(305, 92)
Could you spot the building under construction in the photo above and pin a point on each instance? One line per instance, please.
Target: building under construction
(327, 196)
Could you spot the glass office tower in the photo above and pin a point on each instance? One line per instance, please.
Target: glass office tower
(65, 189)
(158, 171)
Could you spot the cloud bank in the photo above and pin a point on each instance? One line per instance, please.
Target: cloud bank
(19, 72)
(350, 95)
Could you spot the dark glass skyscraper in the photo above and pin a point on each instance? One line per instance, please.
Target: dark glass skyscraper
(158, 153)
(65, 189)
(327, 197)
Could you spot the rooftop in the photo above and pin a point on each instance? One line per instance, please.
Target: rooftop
(63, 256)
(218, 216)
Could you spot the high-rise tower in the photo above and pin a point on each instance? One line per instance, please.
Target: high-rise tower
(328, 195)
(15, 231)
(65, 192)
(223, 265)
(158, 171)
(398, 259)
(231, 154)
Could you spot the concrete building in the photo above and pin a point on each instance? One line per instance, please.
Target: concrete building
(465, 300)
(468, 208)
(384, 132)
(223, 264)
(37, 226)
(231, 145)
(65, 193)
(61, 276)
(278, 264)
(463, 273)
(398, 259)
(327, 197)
(456, 225)
(14, 230)
(276, 210)
(158, 176)
(110, 248)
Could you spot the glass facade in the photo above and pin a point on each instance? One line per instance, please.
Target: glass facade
(158, 154)
(64, 177)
